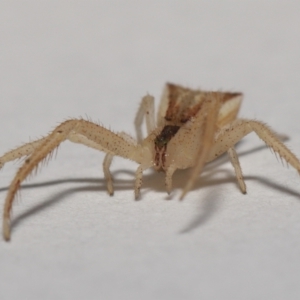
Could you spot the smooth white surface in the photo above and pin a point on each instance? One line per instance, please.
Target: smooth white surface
(70, 240)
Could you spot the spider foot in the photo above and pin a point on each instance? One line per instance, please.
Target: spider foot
(6, 229)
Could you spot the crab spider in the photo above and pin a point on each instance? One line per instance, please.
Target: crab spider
(193, 127)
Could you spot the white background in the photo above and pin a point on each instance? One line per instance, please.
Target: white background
(96, 59)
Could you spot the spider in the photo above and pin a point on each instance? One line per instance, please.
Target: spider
(193, 127)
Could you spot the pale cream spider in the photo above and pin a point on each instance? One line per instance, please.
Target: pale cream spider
(193, 127)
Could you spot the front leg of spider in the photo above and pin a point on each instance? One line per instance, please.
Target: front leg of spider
(78, 131)
(239, 128)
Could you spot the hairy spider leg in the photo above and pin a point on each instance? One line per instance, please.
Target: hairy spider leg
(79, 131)
(239, 128)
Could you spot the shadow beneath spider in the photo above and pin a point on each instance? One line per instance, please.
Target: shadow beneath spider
(209, 203)
(155, 181)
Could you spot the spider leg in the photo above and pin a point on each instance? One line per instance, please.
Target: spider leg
(146, 110)
(168, 179)
(19, 152)
(138, 181)
(108, 160)
(80, 131)
(237, 167)
(109, 180)
(230, 135)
